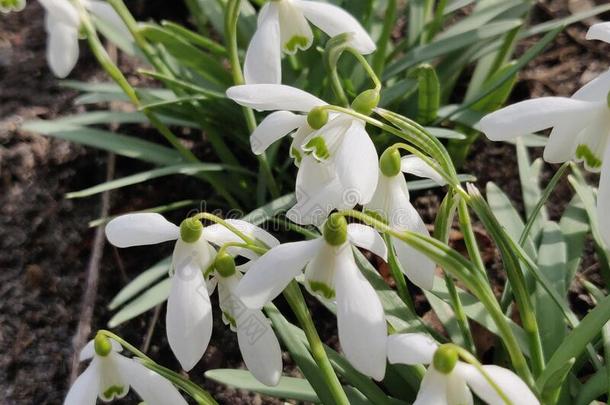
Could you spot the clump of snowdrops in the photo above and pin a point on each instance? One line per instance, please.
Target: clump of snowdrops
(360, 112)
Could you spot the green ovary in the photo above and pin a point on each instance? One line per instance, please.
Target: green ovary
(583, 152)
(322, 289)
(112, 391)
(296, 42)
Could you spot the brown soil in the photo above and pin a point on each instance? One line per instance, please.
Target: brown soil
(45, 242)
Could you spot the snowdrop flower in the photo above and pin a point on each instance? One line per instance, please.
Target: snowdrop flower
(62, 23)
(581, 126)
(109, 376)
(449, 381)
(332, 273)
(337, 159)
(283, 27)
(391, 202)
(189, 311)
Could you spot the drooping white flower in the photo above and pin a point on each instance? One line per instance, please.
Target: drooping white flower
(283, 27)
(391, 202)
(449, 381)
(189, 311)
(62, 23)
(332, 273)
(581, 127)
(337, 162)
(110, 375)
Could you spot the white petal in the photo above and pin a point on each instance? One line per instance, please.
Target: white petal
(85, 389)
(416, 265)
(150, 386)
(259, 347)
(140, 229)
(411, 348)
(596, 90)
(513, 387)
(414, 165)
(367, 238)
(458, 392)
(600, 31)
(61, 11)
(274, 127)
(273, 97)
(189, 316)
(199, 254)
(112, 384)
(357, 164)
(532, 116)
(62, 46)
(295, 32)
(594, 138)
(603, 199)
(334, 21)
(105, 12)
(360, 320)
(263, 63)
(433, 389)
(270, 274)
(219, 234)
(562, 142)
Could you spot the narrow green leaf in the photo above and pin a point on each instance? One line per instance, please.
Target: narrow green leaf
(445, 133)
(426, 184)
(149, 299)
(429, 93)
(574, 226)
(270, 210)
(138, 284)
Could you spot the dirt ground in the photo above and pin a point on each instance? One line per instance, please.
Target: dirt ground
(45, 242)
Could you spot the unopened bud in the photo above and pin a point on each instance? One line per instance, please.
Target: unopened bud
(366, 101)
(389, 163)
(191, 230)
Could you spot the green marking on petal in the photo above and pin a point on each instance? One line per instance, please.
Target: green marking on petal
(583, 152)
(317, 147)
(11, 5)
(296, 42)
(229, 318)
(112, 391)
(296, 155)
(322, 288)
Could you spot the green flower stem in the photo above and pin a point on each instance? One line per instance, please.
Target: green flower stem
(367, 67)
(462, 269)
(398, 276)
(231, 18)
(232, 228)
(437, 22)
(443, 223)
(379, 58)
(295, 299)
(470, 239)
(197, 393)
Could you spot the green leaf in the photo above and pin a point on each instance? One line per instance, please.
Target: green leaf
(429, 93)
(149, 299)
(120, 144)
(574, 226)
(270, 210)
(138, 284)
(117, 117)
(124, 42)
(562, 22)
(595, 387)
(552, 389)
(529, 174)
(288, 387)
(158, 209)
(426, 183)
(445, 133)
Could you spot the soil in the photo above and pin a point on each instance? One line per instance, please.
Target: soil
(45, 241)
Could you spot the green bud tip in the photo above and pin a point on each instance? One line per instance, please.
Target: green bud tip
(225, 264)
(389, 163)
(317, 117)
(366, 101)
(445, 358)
(191, 230)
(335, 230)
(102, 345)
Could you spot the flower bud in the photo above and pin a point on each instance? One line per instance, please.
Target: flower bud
(445, 358)
(335, 230)
(389, 163)
(191, 230)
(102, 345)
(366, 101)
(225, 264)
(317, 117)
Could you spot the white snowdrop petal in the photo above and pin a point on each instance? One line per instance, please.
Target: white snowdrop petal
(274, 127)
(334, 20)
(414, 165)
(62, 46)
(596, 90)
(295, 32)
(189, 315)
(562, 142)
(367, 238)
(599, 31)
(433, 389)
(273, 97)
(360, 319)
(220, 235)
(411, 348)
(112, 384)
(458, 392)
(511, 385)
(263, 63)
(603, 198)
(531, 116)
(270, 274)
(150, 386)
(259, 347)
(106, 13)
(140, 229)
(85, 389)
(62, 11)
